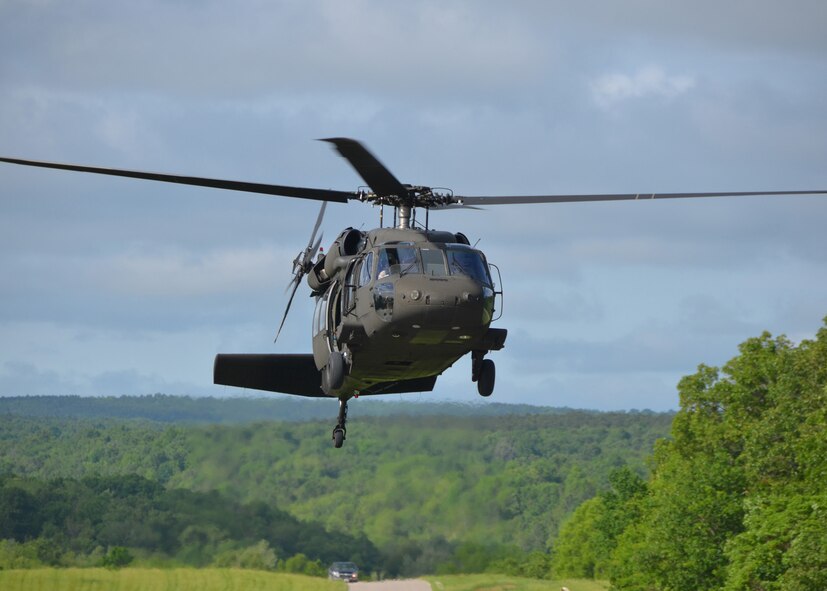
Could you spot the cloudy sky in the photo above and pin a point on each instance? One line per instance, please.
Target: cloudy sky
(116, 286)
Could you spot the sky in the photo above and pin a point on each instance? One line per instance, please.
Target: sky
(124, 287)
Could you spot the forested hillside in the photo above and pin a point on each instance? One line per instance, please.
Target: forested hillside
(431, 492)
(738, 495)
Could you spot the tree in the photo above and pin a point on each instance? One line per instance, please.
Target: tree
(578, 552)
(737, 497)
(19, 513)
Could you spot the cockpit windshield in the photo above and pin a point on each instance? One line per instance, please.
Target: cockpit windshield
(464, 261)
(397, 260)
(404, 259)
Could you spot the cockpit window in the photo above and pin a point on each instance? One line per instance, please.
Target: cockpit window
(397, 260)
(464, 261)
(434, 262)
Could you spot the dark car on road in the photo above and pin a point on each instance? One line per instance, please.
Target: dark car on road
(343, 571)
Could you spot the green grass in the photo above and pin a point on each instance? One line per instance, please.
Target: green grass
(230, 579)
(505, 583)
(147, 579)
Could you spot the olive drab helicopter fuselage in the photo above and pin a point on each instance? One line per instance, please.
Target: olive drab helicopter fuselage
(395, 306)
(400, 305)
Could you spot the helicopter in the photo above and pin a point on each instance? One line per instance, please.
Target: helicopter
(394, 306)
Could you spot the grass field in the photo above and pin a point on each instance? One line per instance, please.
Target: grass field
(504, 583)
(146, 579)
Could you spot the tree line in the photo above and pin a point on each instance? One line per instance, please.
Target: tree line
(165, 408)
(110, 520)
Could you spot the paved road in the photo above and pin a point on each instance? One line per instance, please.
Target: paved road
(391, 586)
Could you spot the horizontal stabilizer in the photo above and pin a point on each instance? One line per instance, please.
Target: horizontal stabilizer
(288, 374)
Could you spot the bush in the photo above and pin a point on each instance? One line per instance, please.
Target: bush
(117, 557)
(302, 565)
(259, 556)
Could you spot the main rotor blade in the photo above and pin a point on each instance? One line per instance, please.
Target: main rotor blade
(266, 189)
(526, 199)
(316, 227)
(374, 173)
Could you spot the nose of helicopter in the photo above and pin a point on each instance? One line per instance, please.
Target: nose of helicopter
(461, 304)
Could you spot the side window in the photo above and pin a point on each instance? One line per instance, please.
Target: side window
(349, 288)
(321, 302)
(367, 267)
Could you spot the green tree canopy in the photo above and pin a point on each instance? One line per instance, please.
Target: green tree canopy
(737, 499)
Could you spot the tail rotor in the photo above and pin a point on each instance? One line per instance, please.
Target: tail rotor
(302, 265)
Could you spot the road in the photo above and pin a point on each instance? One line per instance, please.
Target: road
(410, 585)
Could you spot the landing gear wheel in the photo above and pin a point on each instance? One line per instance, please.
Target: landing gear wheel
(340, 431)
(485, 378)
(335, 371)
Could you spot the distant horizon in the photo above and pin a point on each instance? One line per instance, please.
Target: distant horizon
(321, 401)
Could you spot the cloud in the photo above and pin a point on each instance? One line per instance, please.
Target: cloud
(648, 82)
(178, 274)
(187, 49)
(743, 26)
(40, 358)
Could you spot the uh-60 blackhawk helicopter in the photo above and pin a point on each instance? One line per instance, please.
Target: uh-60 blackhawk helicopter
(395, 306)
